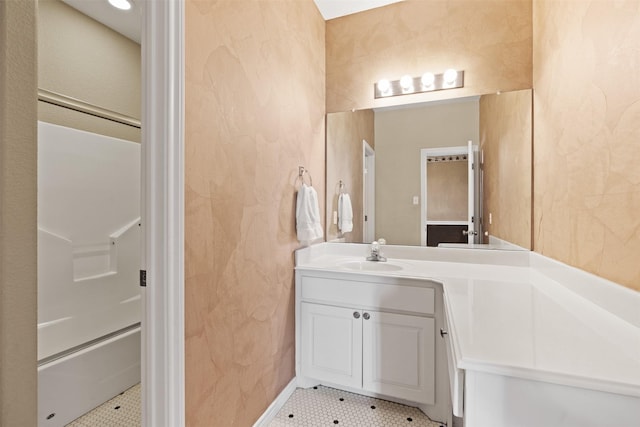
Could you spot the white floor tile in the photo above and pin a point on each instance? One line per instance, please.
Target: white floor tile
(324, 406)
(121, 411)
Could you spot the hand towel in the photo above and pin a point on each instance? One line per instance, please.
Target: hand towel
(345, 213)
(308, 225)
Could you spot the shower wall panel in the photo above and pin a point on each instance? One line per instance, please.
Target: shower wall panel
(88, 237)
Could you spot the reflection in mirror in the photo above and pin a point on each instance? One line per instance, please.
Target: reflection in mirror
(499, 126)
(506, 135)
(345, 135)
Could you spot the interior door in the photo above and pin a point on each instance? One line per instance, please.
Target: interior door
(471, 231)
(398, 356)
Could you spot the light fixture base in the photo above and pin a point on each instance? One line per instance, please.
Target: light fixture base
(395, 88)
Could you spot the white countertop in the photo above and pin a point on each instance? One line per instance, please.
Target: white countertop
(510, 319)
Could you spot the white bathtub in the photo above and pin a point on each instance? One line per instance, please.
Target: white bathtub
(74, 384)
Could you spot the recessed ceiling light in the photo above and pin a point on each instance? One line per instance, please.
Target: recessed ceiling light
(120, 4)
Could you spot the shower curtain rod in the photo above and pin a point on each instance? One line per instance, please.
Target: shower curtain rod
(84, 107)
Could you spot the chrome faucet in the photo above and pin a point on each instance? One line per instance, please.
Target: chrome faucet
(376, 253)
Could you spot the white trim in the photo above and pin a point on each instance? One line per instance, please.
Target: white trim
(447, 222)
(445, 151)
(163, 213)
(276, 405)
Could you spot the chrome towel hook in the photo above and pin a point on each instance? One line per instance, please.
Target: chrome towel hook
(302, 171)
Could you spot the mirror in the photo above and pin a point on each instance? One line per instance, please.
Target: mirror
(391, 183)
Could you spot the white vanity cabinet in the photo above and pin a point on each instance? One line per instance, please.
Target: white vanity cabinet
(526, 341)
(368, 335)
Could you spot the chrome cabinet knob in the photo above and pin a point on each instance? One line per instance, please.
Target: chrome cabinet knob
(356, 314)
(366, 316)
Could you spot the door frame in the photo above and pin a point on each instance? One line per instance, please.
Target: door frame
(163, 213)
(424, 153)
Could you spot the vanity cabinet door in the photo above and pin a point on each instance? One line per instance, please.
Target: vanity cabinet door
(332, 344)
(399, 356)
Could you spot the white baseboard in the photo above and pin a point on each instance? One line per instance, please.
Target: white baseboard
(276, 405)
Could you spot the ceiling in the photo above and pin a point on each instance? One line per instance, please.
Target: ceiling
(335, 8)
(125, 22)
(128, 23)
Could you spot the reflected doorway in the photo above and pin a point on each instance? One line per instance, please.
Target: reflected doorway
(449, 194)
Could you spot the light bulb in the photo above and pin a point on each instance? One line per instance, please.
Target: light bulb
(384, 86)
(450, 76)
(428, 79)
(406, 82)
(120, 4)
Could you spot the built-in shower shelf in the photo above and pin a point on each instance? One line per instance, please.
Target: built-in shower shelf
(95, 276)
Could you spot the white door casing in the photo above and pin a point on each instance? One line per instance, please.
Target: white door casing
(163, 213)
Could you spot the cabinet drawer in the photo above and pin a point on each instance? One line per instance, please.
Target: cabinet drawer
(371, 295)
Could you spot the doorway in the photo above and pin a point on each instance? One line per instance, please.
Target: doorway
(162, 260)
(449, 195)
(89, 225)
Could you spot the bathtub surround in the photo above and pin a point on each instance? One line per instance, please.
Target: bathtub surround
(18, 228)
(88, 267)
(255, 111)
(586, 136)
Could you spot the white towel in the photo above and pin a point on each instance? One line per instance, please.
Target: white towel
(345, 213)
(308, 225)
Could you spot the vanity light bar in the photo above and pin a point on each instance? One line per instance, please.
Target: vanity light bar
(407, 85)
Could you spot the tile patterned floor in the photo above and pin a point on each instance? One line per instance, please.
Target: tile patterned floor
(121, 411)
(324, 406)
(319, 406)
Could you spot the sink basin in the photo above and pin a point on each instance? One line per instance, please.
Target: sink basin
(370, 266)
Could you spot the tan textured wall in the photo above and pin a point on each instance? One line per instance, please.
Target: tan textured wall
(587, 135)
(447, 191)
(345, 132)
(83, 59)
(489, 40)
(505, 140)
(400, 134)
(18, 195)
(254, 112)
